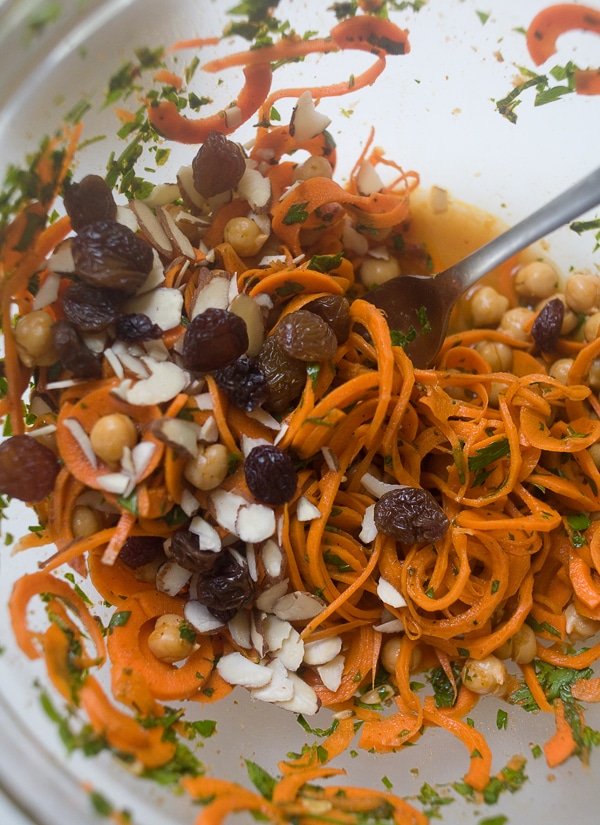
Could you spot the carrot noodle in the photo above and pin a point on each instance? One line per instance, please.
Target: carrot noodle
(507, 451)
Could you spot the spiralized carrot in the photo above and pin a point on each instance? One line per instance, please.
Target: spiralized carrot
(506, 454)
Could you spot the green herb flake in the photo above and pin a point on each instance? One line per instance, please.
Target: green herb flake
(262, 781)
(296, 214)
(119, 619)
(501, 719)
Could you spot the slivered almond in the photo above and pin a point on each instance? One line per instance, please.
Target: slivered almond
(298, 606)
(189, 503)
(82, 439)
(255, 188)
(61, 261)
(236, 669)
(142, 455)
(152, 227)
(200, 617)
(171, 578)
(368, 180)
(48, 291)
(116, 483)
(162, 194)
(304, 700)
(376, 487)
(263, 417)
(332, 672)
(322, 651)
(279, 689)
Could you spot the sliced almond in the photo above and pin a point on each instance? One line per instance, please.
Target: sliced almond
(130, 362)
(265, 418)
(61, 261)
(279, 689)
(369, 530)
(189, 193)
(391, 626)
(142, 455)
(332, 673)
(368, 181)
(212, 293)
(322, 651)
(245, 307)
(271, 595)
(298, 606)
(152, 227)
(178, 238)
(156, 276)
(208, 537)
(251, 561)
(306, 510)
(256, 633)
(248, 444)
(275, 631)
(116, 483)
(48, 291)
(163, 306)
(307, 122)
(236, 669)
(226, 505)
(272, 558)
(389, 595)
(166, 381)
(189, 503)
(171, 578)
(291, 651)
(239, 627)
(200, 617)
(304, 700)
(255, 188)
(255, 522)
(162, 194)
(127, 217)
(177, 433)
(376, 487)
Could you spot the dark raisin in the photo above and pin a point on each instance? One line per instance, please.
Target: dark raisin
(410, 515)
(185, 549)
(89, 200)
(137, 327)
(73, 353)
(109, 254)
(28, 469)
(91, 308)
(270, 474)
(306, 336)
(214, 339)
(547, 325)
(285, 376)
(335, 311)
(244, 383)
(226, 588)
(218, 165)
(140, 550)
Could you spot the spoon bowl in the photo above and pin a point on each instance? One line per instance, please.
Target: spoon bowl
(418, 307)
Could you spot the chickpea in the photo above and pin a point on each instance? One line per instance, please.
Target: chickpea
(498, 355)
(521, 648)
(560, 369)
(244, 235)
(375, 271)
(579, 627)
(166, 641)
(111, 434)
(390, 652)
(33, 337)
(488, 306)
(536, 280)
(484, 676)
(315, 166)
(570, 319)
(85, 521)
(582, 292)
(594, 452)
(209, 468)
(517, 322)
(591, 327)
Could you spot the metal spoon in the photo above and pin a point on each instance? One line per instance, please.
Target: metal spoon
(418, 307)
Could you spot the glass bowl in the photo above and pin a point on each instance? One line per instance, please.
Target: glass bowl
(434, 110)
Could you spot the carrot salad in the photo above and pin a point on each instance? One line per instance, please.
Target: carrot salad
(225, 442)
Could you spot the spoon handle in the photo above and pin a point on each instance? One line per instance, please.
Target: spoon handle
(564, 208)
